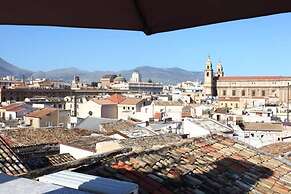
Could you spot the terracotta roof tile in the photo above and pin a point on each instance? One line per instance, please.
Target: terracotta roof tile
(60, 158)
(41, 112)
(212, 165)
(254, 78)
(103, 101)
(9, 162)
(277, 148)
(30, 136)
(12, 107)
(116, 98)
(131, 101)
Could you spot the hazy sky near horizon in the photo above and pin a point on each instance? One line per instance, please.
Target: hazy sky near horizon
(260, 46)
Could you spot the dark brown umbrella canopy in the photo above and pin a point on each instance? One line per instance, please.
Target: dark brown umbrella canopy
(150, 16)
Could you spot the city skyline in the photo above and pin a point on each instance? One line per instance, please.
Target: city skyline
(247, 47)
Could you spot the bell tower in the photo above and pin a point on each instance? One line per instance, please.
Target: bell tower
(208, 78)
(219, 70)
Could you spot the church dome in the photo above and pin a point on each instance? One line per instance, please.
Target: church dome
(120, 79)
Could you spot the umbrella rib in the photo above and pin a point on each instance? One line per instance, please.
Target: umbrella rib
(142, 18)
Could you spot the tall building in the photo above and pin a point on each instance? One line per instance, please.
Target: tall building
(209, 81)
(265, 87)
(135, 77)
(219, 70)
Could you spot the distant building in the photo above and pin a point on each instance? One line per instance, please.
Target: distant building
(107, 80)
(145, 87)
(19, 94)
(267, 87)
(15, 111)
(129, 107)
(100, 108)
(46, 117)
(254, 87)
(119, 79)
(43, 102)
(135, 77)
(113, 107)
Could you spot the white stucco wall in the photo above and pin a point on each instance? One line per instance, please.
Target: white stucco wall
(193, 129)
(85, 108)
(75, 152)
(125, 111)
(175, 112)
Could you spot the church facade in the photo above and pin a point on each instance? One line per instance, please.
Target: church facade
(264, 87)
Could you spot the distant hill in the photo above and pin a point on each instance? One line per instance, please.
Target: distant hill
(164, 75)
(8, 69)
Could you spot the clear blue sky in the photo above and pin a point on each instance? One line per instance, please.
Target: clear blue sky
(247, 47)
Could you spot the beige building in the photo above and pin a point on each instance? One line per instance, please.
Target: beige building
(107, 80)
(100, 108)
(229, 102)
(267, 87)
(46, 117)
(113, 107)
(129, 107)
(254, 87)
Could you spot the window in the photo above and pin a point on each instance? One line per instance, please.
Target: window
(124, 108)
(90, 113)
(236, 105)
(243, 93)
(253, 92)
(132, 108)
(233, 92)
(207, 74)
(263, 92)
(128, 108)
(224, 92)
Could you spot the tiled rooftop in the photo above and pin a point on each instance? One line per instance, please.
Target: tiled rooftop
(278, 127)
(9, 162)
(131, 101)
(168, 103)
(15, 107)
(277, 148)
(60, 159)
(116, 98)
(88, 142)
(126, 128)
(144, 143)
(30, 136)
(204, 165)
(41, 112)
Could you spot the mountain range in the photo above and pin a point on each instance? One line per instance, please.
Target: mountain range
(164, 75)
